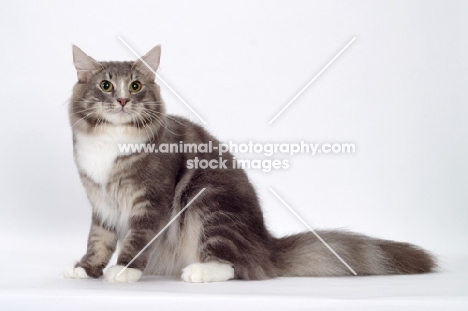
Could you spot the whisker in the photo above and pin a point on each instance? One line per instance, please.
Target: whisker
(145, 127)
(166, 115)
(157, 118)
(81, 119)
(134, 119)
(81, 111)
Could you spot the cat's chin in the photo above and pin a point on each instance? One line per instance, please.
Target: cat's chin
(120, 118)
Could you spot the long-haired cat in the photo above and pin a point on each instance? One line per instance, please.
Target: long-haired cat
(222, 234)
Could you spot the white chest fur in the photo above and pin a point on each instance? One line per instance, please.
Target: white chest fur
(96, 153)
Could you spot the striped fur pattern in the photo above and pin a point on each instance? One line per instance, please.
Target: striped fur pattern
(222, 235)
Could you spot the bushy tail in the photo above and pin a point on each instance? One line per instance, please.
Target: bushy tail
(304, 255)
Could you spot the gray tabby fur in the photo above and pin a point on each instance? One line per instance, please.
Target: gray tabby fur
(139, 193)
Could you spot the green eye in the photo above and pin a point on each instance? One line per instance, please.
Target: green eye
(106, 86)
(135, 86)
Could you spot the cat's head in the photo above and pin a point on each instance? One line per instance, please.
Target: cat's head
(116, 93)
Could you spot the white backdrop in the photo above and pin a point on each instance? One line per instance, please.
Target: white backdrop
(398, 92)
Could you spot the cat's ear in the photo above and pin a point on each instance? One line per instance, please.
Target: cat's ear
(84, 64)
(152, 60)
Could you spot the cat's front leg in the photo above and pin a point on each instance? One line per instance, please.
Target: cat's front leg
(101, 245)
(143, 227)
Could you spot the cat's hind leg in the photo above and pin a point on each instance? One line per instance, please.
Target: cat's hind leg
(233, 244)
(204, 272)
(207, 272)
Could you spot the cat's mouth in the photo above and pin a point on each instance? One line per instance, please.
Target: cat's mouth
(123, 110)
(119, 115)
(120, 111)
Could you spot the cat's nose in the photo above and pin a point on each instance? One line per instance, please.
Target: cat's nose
(123, 101)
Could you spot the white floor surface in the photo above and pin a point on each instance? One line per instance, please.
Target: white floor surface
(32, 279)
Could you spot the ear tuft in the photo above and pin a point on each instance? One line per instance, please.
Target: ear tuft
(84, 64)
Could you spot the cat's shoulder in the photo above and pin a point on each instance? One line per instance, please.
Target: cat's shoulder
(176, 125)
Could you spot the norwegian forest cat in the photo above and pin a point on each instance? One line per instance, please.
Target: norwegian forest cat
(222, 234)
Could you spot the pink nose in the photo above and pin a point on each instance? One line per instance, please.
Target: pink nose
(123, 101)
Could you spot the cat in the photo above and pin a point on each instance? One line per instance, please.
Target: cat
(222, 235)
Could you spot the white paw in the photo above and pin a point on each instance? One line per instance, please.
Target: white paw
(127, 276)
(75, 273)
(207, 272)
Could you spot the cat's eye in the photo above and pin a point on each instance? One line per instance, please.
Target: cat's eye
(135, 86)
(106, 86)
